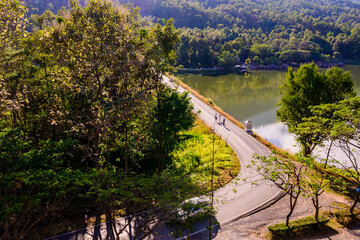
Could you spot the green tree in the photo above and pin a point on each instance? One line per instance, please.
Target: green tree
(34, 185)
(263, 52)
(89, 77)
(12, 30)
(171, 115)
(308, 87)
(74, 94)
(226, 59)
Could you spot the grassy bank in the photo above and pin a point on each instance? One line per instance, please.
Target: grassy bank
(308, 228)
(300, 229)
(194, 156)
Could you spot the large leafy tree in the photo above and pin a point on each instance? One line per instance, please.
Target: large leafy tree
(308, 87)
(12, 29)
(76, 96)
(108, 71)
(35, 188)
(90, 75)
(171, 115)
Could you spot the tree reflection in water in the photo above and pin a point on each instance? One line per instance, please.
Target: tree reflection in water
(253, 97)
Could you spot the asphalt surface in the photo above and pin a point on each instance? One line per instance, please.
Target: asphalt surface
(239, 198)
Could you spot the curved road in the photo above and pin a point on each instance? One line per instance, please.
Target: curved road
(241, 198)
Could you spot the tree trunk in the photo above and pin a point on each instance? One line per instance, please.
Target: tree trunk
(307, 151)
(317, 208)
(354, 204)
(188, 231)
(288, 216)
(292, 205)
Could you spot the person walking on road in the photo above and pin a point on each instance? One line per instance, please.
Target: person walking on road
(215, 116)
(224, 122)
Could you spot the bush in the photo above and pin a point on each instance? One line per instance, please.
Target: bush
(300, 227)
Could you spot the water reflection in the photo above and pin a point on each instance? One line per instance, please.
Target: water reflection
(253, 97)
(278, 134)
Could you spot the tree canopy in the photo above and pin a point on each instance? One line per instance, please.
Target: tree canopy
(226, 32)
(308, 87)
(81, 108)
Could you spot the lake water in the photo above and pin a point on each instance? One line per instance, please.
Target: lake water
(253, 97)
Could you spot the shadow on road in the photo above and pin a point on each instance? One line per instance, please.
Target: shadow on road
(197, 230)
(220, 124)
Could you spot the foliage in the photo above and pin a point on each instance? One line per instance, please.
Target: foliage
(35, 187)
(224, 32)
(194, 157)
(12, 28)
(77, 95)
(172, 113)
(12, 22)
(305, 88)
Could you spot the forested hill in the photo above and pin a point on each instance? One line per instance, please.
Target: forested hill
(265, 14)
(226, 32)
(39, 6)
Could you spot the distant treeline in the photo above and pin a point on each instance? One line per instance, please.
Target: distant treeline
(226, 32)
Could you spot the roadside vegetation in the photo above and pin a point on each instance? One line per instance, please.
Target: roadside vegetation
(194, 157)
(88, 129)
(303, 228)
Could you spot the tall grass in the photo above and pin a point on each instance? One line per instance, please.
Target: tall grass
(194, 157)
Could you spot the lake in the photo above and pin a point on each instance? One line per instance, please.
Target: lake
(253, 97)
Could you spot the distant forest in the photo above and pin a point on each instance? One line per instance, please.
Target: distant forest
(227, 32)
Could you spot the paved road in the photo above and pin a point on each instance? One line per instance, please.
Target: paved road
(233, 201)
(237, 199)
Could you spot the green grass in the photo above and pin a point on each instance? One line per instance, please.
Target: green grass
(300, 228)
(194, 156)
(345, 218)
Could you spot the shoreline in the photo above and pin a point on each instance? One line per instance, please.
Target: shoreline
(244, 69)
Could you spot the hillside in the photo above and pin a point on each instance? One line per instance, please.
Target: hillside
(227, 32)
